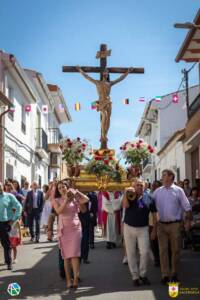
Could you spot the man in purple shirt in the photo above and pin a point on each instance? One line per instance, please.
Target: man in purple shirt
(171, 203)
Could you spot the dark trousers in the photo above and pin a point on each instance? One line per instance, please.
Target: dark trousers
(85, 222)
(5, 242)
(91, 234)
(34, 216)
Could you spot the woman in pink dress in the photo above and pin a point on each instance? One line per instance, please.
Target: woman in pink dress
(67, 204)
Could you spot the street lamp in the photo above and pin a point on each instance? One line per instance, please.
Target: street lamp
(186, 25)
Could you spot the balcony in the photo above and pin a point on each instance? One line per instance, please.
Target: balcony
(41, 143)
(147, 164)
(194, 106)
(54, 138)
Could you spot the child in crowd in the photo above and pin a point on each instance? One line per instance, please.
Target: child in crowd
(15, 238)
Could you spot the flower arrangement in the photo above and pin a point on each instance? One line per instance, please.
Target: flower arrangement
(74, 150)
(104, 165)
(135, 152)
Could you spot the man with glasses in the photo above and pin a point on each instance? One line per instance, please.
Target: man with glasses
(171, 203)
(10, 211)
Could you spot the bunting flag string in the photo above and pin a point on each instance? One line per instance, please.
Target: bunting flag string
(175, 98)
(94, 105)
(158, 98)
(61, 108)
(45, 109)
(77, 106)
(126, 101)
(27, 108)
(12, 108)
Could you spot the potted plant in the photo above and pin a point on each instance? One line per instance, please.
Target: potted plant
(104, 166)
(74, 152)
(134, 153)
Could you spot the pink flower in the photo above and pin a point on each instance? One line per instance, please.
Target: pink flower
(106, 162)
(140, 141)
(138, 145)
(132, 145)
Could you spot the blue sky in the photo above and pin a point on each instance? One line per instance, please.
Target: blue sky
(46, 34)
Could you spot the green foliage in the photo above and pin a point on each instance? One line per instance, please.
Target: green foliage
(100, 169)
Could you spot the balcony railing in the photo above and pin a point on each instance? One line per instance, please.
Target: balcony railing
(146, 162)
(194, 106)
(54, 136)
(41, 139)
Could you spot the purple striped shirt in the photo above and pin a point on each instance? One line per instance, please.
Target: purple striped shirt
(171, 202)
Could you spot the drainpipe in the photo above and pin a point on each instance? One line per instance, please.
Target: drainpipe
(2, 145)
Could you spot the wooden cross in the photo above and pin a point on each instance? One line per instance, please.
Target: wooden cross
(103, 86)
(102, 55)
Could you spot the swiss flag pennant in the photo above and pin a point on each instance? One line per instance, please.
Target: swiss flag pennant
(27, 108)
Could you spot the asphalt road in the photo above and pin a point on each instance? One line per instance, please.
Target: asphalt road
(104, 279)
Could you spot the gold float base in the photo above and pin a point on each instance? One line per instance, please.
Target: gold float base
(88, 183)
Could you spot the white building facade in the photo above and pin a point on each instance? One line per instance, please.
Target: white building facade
(159, 123)
(27, 133)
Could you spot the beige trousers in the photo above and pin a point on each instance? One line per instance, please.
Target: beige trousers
(137, 237)
(169, 233)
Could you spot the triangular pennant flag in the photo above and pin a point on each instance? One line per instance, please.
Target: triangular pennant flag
(175, 98)
(126, 101)
(61, 108)
(94, 105)
(45, 109)
(141, 99)
(27, 108)
(77, 106)
(158, 98)
(12, 108)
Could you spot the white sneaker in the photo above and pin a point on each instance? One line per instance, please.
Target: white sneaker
(14, 261)
(125, 260)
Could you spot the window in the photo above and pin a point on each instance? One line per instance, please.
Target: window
(23, 120)
(23, 179)
(9, 171)
(11, 97)
(55, 159)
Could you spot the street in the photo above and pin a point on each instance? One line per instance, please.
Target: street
(105, 278)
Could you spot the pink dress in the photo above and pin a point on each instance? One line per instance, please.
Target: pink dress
(69, 230)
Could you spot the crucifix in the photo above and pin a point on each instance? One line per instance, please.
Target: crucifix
(104, 104)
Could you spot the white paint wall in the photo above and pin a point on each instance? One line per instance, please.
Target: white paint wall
(173, 158)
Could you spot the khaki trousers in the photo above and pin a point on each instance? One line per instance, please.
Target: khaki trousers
(169, 233)
(137, 237)
(51, 221)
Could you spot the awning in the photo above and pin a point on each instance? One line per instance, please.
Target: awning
(190, 49)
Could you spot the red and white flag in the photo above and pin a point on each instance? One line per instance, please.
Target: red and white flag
(27, 108)
(45, 109)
